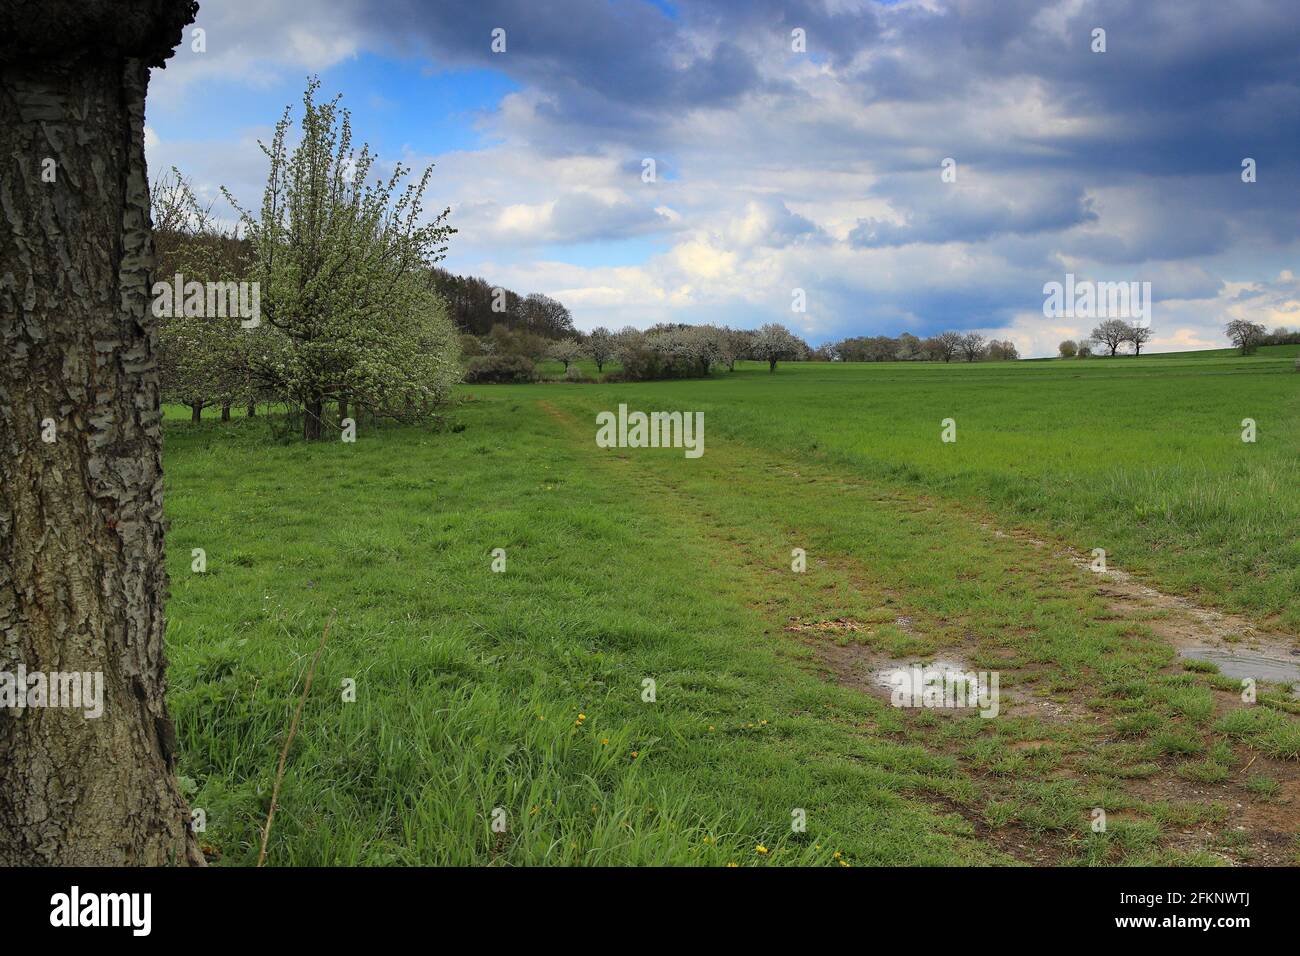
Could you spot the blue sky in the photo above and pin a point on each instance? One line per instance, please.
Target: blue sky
(779, 169)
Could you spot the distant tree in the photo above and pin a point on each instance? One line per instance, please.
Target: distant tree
(909, 348)
(471, 346)
(775, 342)
(1245, 335)
(1112, 333)
(1068, 349)
(567, 351)
(710, 345)
(971, 345)
(1139, 335)
(736, 344)
(601, 346)
(944, 346)
(1085, 350)
(546, 316)
(1002, 351)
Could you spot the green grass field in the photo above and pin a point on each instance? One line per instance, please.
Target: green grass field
(520, 696)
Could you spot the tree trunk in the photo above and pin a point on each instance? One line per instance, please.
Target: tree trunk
(343, 410)
(225, 411)
(252, 409)
(771, 365)
(196, 414)
(311, 419)
(82, 579)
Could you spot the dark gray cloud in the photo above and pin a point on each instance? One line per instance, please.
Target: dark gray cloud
(953, 212)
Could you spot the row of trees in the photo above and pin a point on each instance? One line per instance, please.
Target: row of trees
(341, 259)
(674, 350)
(667, 350)
(944, 347)
(1110, 335)
(1114, 333)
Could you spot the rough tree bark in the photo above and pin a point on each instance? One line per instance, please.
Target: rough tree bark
(82, 581)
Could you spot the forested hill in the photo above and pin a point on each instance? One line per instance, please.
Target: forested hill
(476, 305)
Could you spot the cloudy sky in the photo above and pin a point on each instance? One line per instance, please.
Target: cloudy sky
(778, 169)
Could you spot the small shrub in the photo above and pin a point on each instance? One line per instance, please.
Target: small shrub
(501, 370)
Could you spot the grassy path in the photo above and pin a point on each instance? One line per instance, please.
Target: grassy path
(1099, 712)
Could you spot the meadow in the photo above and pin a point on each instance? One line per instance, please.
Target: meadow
(649, 682)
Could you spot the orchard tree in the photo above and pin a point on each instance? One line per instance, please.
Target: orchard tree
(82, 576)
(1245, 335)
(1068, 349)
(567, 351)
(736, 344)
(1112, 334)
(601, 346)
(344, 264)
(774, 342)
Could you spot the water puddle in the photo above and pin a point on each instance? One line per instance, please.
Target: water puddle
(1273, 665)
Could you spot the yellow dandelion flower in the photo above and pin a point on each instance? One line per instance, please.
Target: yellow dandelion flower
(760, 850)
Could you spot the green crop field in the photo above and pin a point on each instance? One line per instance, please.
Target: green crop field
(647, 679)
